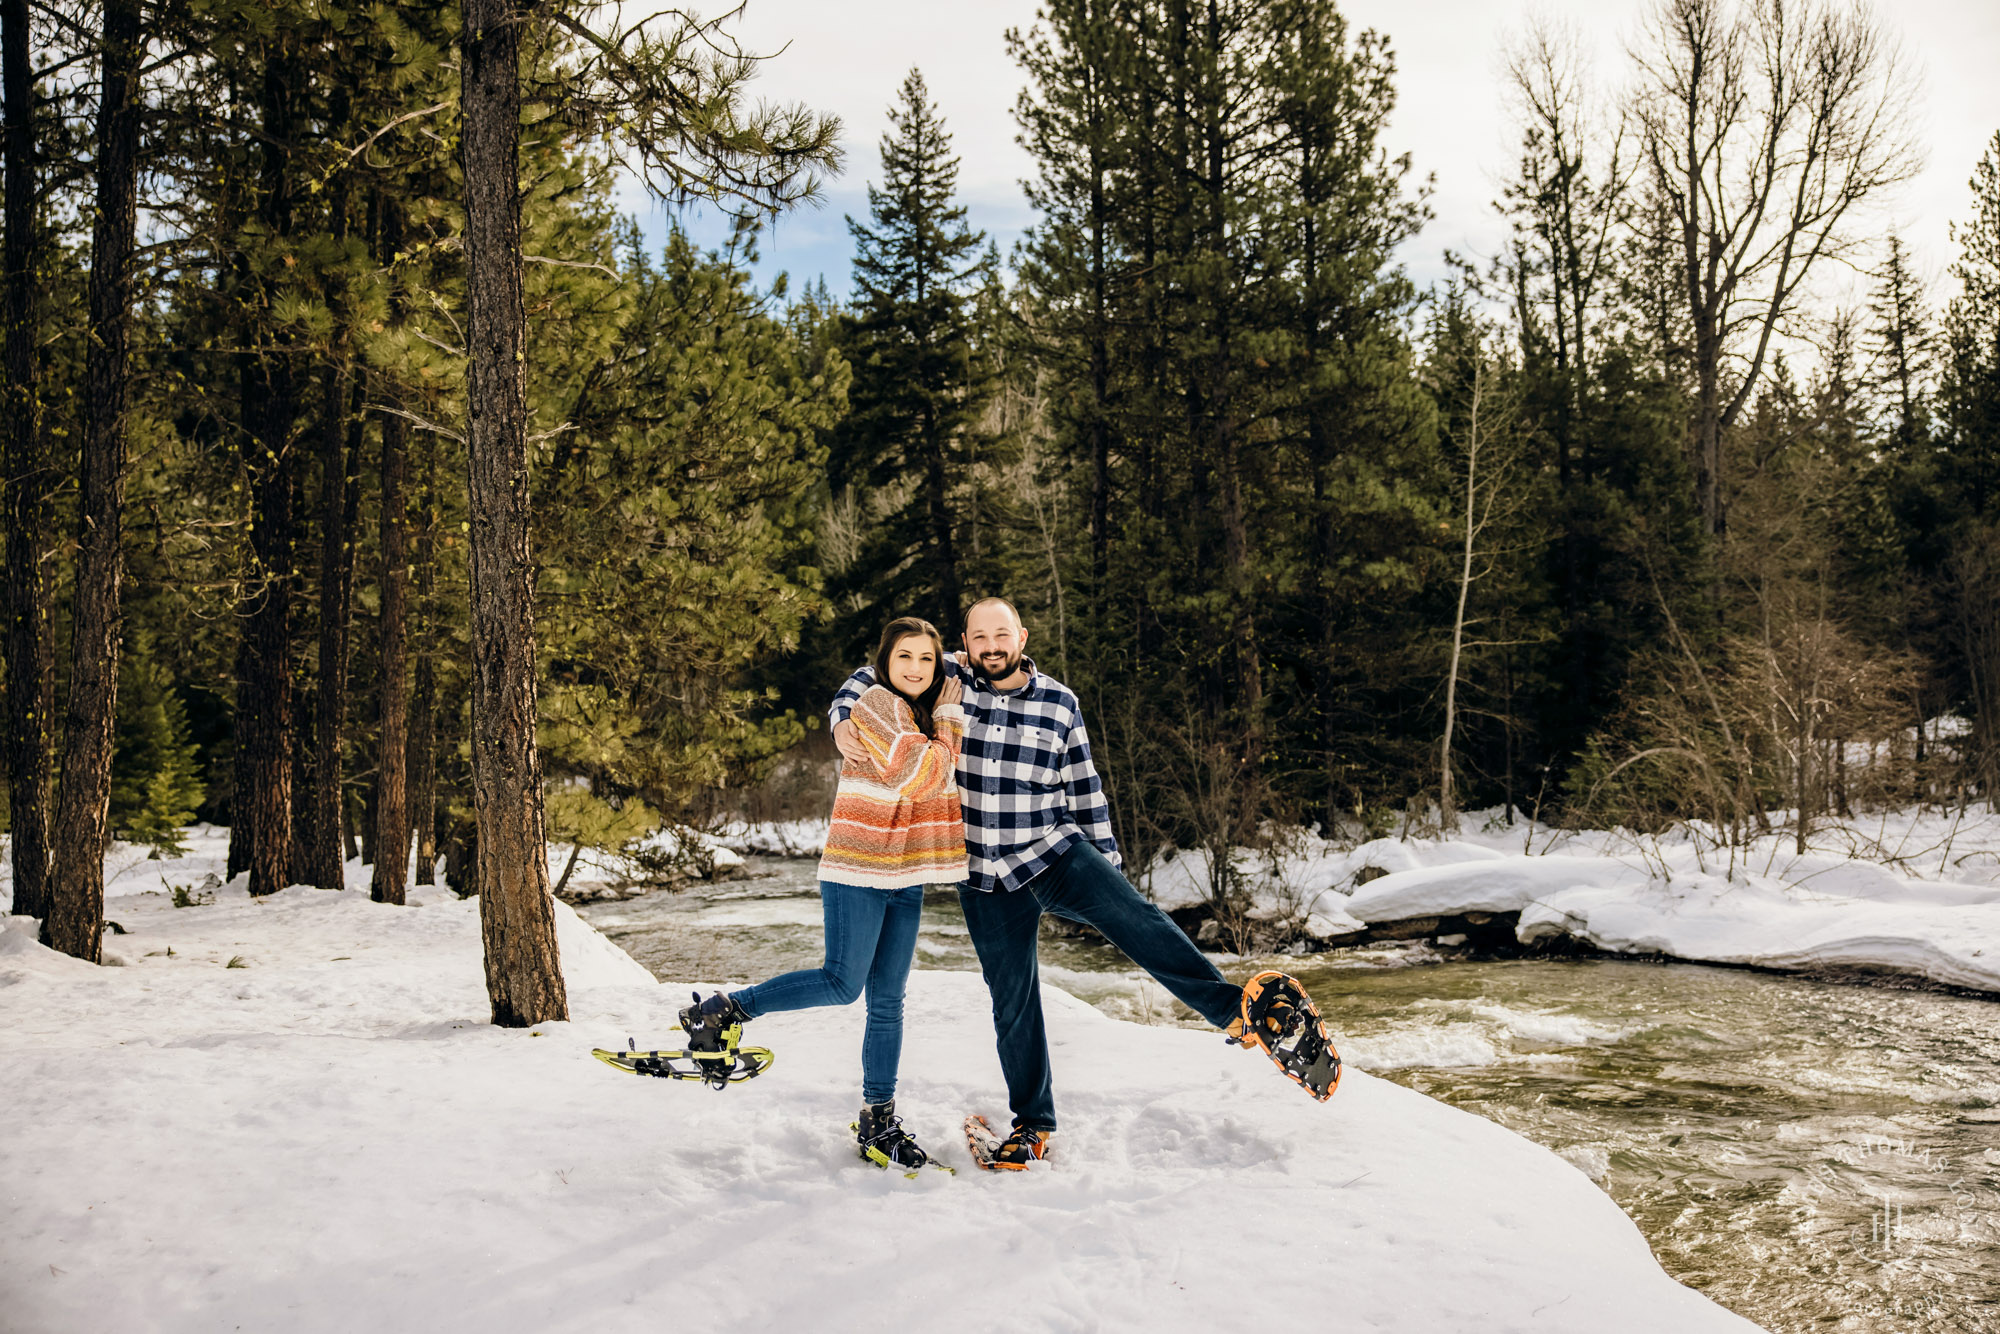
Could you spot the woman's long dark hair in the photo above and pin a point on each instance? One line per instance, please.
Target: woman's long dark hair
(894, 633)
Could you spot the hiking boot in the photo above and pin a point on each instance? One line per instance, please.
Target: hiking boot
(1026, 1145)
(707, 1022)
(880, 1138)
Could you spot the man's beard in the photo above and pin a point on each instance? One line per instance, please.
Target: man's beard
(1011, 663)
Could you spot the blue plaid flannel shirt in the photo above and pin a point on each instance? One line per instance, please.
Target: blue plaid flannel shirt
(1025, 778)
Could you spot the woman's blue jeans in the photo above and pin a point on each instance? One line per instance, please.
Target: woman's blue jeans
(871, 937)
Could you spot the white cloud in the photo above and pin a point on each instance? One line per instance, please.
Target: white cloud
(850, 58)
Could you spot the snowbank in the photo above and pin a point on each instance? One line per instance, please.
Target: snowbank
(290, 1114)
(1827, 908)
(776, 838)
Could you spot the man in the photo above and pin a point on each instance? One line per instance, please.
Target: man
(1038, 839)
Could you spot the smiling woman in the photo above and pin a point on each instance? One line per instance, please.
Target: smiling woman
(896, 828)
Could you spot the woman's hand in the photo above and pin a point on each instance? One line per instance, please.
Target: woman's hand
(951, 692)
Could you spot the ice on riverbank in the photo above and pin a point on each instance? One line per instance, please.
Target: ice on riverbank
(290, 1114)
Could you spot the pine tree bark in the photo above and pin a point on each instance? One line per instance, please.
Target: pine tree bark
(75, 923)
(264, 695)
(242, 745)
(30, 638)
(423, 696)
(517, 920)
(392, 822)
(337, 489)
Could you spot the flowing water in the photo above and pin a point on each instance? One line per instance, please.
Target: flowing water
(1812, 1155)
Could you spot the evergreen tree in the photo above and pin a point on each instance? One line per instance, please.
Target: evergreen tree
(918, 385)
(1969, 398)
(155, 776)
(1970, 391)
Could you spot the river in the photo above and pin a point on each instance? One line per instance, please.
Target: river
(1815, 1156)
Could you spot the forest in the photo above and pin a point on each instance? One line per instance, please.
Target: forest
(371, 484)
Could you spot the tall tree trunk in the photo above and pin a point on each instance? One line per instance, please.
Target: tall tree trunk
(392, 821)
(517, 919)
(337, 485)
(30, 642)
(264, 696)
(243, 744)
(1100, 365)
(1447, 798)
(423, 698)
(937, 503)
(75, 924)
(270, 408)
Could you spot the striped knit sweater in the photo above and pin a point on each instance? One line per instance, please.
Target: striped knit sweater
(896, 821)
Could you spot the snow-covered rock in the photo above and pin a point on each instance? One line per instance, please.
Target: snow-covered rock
(1495, 886)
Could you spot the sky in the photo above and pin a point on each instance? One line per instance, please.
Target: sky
(849, 58)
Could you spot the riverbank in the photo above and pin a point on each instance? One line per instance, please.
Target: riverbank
(291, 1114)
(1907, 894)
(1913, 895)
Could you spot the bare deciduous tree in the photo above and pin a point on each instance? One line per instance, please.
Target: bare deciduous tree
(1765, 127)
(1490, 452)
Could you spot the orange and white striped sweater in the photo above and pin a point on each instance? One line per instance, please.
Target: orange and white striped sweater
(896, 821)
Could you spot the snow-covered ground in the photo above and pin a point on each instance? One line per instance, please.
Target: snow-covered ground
(292, 1115)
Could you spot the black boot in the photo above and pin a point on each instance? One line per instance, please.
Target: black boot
(707, 1021)
(880, 1138)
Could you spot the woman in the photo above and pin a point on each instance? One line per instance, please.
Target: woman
(896, 828)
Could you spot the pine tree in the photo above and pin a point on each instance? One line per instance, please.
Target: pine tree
(1899, 345)
(1970, 392)
(75, 924)
(918, 386)
(30, 479)
(155, 776)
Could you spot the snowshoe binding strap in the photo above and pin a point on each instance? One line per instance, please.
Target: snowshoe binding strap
(890, 1147)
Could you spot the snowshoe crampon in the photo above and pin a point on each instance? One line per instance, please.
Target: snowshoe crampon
(1281, 1019)
(727, 1064)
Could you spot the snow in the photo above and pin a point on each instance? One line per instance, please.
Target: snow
(329, 1136)
(603, 873)
(1915, 892)
(776, 838)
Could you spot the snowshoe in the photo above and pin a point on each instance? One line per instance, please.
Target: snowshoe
(879, 1138)
(713, 1055)
(1279, 1018)
(1019, 1151)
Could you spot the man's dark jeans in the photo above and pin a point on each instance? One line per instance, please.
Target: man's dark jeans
(1084, 887)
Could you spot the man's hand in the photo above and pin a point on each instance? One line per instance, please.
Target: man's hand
(847, 740)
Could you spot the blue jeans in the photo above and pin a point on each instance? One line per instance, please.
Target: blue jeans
(1082, 886)
(871, 937)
